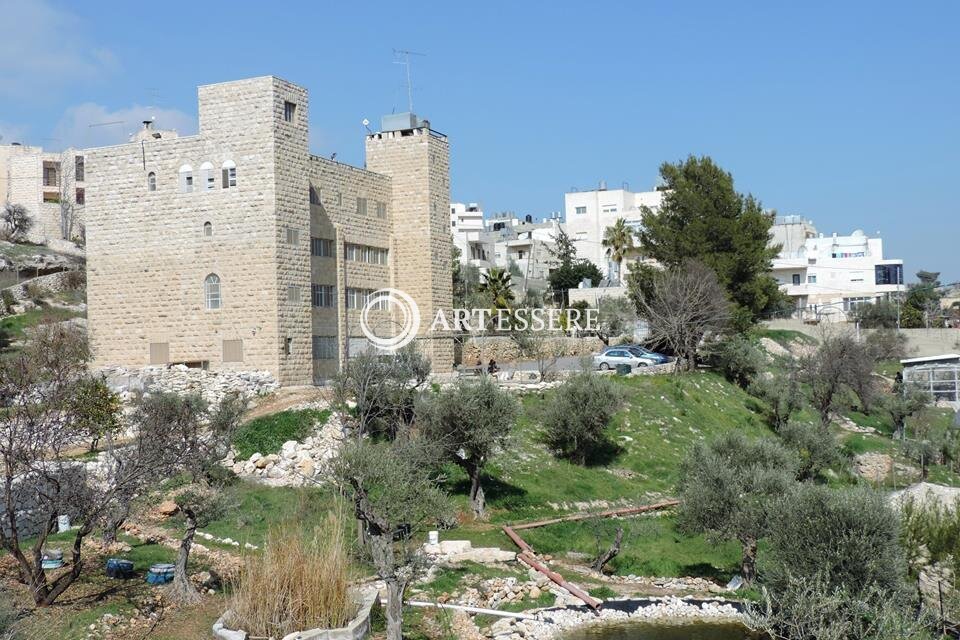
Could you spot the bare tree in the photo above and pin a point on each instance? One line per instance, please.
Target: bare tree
(682, 305)
(40, 481)
(395, 495)
(71, 171)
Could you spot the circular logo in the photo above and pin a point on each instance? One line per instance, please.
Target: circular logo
(409, 322)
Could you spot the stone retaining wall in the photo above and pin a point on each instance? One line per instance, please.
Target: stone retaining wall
(505, 349)
(178, 378)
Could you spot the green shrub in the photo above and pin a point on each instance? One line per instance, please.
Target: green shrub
(75, 280)
(576, 421)
(737, 358)
(267, 434)
(815, 445)
(886, 344)
(849, 539)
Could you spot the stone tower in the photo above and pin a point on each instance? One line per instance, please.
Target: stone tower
(417, 160)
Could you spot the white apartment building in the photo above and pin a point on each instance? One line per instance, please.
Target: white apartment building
(828, 276)
(505, 240)
(466, 226)
(589, 213)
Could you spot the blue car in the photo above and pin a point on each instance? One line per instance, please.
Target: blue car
(643, 352)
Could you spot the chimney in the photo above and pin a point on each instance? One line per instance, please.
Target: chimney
(147, 125)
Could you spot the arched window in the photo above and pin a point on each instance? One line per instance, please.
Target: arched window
(229, 174)
(186, 178)
(211, 291)
(207, 229)
(151, 181)
(206, 176)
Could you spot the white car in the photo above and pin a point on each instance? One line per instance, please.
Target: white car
(610, 358)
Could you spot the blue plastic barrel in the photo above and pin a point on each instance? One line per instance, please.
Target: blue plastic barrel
(160, 573)
(119, 568)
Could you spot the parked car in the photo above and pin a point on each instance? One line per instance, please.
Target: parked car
(610, 358)
(643, 352)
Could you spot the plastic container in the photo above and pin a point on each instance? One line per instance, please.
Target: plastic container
(623, 369)
(119, 568)
(160, 573)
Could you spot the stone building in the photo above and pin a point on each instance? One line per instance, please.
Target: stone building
(236, 249)
(49, 184)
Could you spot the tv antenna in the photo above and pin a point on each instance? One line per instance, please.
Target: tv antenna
(404, 56)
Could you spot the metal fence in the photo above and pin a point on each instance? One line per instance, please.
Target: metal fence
(941, 381)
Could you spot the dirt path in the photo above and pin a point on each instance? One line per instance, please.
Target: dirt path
(284, 398)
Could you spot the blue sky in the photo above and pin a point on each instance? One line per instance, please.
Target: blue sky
(846, 113)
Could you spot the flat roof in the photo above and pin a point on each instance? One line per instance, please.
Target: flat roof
(946, 356)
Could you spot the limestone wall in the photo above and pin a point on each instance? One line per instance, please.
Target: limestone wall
(503, 349)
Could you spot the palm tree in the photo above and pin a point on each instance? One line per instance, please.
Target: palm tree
(498, 287)
(618, 239)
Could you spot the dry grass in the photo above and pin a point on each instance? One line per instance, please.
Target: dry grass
(297, 583)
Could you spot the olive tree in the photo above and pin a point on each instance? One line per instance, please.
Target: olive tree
(728, 488)
(578, 416)
(395, 495)
(471, 421)
(839, 365)
(376, 393)
(200, 437)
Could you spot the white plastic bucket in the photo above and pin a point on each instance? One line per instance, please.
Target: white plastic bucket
(63, 523)
(433, 537)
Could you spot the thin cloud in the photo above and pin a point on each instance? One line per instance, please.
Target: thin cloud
(114, 127)
(45, 49)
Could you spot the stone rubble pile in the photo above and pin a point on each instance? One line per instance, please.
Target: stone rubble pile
(553, 623)
(456, 551)
(178, 378)
(297, 463)
(700, 585)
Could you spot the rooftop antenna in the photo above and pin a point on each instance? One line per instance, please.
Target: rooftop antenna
(404, 56)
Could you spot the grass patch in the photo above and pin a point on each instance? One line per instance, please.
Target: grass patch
(663, 417)
(252, 509)
(784, 337)
(14, 325)
(268, 433)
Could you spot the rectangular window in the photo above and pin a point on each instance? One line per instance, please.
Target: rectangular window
(159, 352)
(315, 195)
(51, 196)
(888, 274)
(321, 247)
(325, 347)
(50, 176)
(381, 209)
(229, 177)
(211, 182)
(811, 279)
(370, 255)
(357, 299)
(188, 183)
(293, 236)
(293, 293)
(287, 346)
(323, 295)
(361, 206)
(233, 350)
(796, 278)
(289, 111)
(81, 196)
(78, 169)
(580, 210)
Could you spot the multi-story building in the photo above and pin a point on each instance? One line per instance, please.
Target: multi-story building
(237, 249)
(50, 185)
(827, 277)
(589, 213)
(506, 241)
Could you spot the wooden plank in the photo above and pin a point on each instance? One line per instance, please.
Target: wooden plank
(628, 511)
(559, 579)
